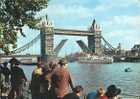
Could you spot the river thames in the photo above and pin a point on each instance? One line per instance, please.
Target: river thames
(94, 76)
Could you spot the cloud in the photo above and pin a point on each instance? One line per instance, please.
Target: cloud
(69, 11)
(70, 2)
(101, 8)
(124, 29)
(126, 38)
(77, 9)
(122, 22)
(120, 3)
(74, 10)
(133, 21)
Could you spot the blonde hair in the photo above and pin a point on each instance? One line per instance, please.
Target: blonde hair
(100, 91)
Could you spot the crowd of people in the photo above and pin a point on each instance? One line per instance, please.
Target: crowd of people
(48, 82)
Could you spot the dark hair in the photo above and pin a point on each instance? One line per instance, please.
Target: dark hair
(113, 91)
(78, 88)
(40, 64)
(18, 63)
(62, 61)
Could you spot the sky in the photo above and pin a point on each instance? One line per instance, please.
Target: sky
(119, 21)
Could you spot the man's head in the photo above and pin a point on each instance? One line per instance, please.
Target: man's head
(62, 62)
(40, 64)
(17, 63)
(78, 90)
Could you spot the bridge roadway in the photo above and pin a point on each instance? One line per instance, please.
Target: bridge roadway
(72, 32)
(24, 59)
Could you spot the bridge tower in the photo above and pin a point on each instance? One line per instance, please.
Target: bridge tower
(47, 38)
(94, 41)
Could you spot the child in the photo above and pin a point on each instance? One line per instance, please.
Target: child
(101, 94)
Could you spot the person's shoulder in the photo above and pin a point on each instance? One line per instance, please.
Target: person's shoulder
(103, 97)
(71, 96)
(91, 95)
(65, 70)
(17, 68)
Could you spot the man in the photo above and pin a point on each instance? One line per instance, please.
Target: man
(61, 80)
(78, 90)
(6, 72)
(36, 81)
(13, 61)
(17, 79)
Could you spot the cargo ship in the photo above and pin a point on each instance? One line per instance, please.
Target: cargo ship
(94, 59)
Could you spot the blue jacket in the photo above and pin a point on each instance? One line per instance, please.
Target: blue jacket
(92, 95)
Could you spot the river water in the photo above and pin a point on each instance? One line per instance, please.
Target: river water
(94, 76)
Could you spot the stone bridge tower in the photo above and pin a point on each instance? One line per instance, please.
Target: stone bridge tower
(94, 41)
(47, 40)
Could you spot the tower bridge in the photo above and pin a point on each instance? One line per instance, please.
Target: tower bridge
(47, 32)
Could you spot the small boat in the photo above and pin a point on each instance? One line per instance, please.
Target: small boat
(128, 70)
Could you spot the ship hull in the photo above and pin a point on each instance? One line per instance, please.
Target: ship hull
(103, 60)
(94, 62)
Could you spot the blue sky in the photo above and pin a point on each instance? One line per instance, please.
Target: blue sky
(119, 20)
